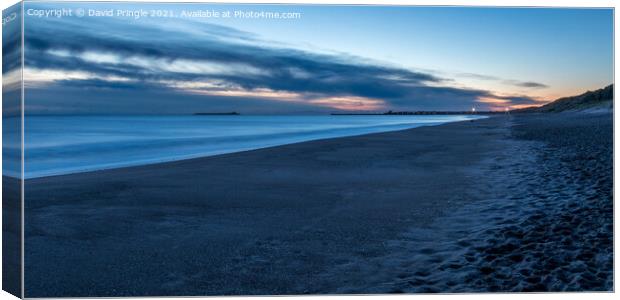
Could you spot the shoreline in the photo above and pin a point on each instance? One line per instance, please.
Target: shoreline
(199, 156)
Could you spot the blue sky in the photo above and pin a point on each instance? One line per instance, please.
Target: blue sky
(361, 58)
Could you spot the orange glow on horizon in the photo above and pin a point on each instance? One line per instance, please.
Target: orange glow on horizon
(257, 93)
(350, 103)
(489, 100)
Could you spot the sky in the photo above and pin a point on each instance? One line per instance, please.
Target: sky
(324, 59)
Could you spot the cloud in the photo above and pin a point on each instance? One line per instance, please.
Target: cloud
(477, 76)
(11, 49)
(525, 84)
(528, 84)
(204, 62)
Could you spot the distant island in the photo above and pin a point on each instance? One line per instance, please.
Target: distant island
(233, 113)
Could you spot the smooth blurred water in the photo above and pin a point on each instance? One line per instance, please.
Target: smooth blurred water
(68, 144)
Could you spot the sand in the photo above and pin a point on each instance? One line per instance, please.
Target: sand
(434, 209)
(11, 236)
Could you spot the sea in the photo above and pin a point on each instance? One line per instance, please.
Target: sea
(57, 145)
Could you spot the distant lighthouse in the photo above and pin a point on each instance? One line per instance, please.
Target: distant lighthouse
(473, 110)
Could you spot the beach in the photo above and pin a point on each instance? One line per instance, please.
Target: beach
(508, 203)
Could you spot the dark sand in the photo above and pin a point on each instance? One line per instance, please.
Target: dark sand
(11, 236)
(510, 203)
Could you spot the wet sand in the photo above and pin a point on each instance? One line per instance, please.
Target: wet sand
(420, 210)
